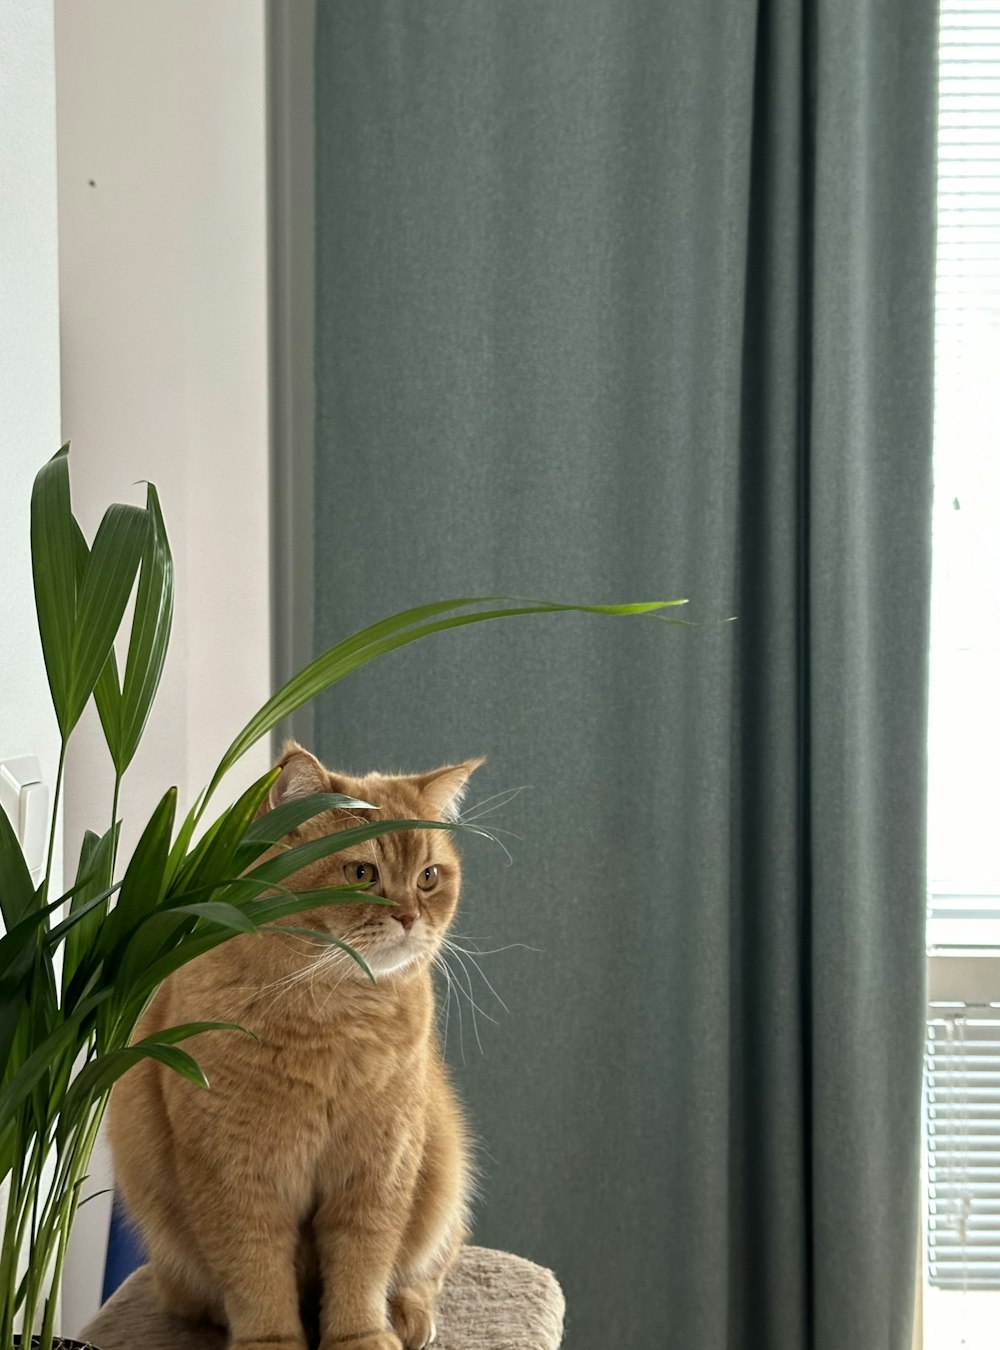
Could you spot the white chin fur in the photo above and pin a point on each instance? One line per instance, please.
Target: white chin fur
(391, 960)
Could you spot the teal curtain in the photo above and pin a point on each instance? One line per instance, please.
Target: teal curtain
(615, 301)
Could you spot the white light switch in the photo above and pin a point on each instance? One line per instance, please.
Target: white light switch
(25, 798)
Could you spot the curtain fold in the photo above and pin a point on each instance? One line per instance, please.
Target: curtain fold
(621, 301)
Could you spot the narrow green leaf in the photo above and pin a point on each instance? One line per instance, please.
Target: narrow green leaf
(271, 828)
(101, 1074)
(177, 1060)
(150, 977)
(18, 1088)
(188, 1029)
(173, 928)
(292, 860)
(89, 904)
(13, 1020)
(24, 931)
(144, 877)
(107, 690)
(103, 593)
(151, 623)
(7, 1139)
(108, 697)
(162, 932)
(386, 636)
(318, 935)
(214, 853)
(19, 949)
(17, 890)
(94, 1195)
(262, 911)
(53, 562)
(172, 935)
(29, 1007)
(284, 902)
(80, 914)
(214, 911)
(178, 855)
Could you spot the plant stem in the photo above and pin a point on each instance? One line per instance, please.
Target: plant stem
(78, 1154)
(38, 1255)
(9, 1253)
(52, 1302)
(55, 817)
(114, 821)
(22, 1210)
(23, 1199)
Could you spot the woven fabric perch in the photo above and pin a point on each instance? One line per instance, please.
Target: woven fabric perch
(491, 1301)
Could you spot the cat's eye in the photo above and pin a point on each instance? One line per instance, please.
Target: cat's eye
(360, 873)
(428, 879)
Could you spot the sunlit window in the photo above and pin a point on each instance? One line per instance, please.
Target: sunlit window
(961, 1290)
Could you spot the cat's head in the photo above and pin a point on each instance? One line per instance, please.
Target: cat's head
(418, 869)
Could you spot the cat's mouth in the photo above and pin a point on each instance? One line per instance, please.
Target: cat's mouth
(395, 949)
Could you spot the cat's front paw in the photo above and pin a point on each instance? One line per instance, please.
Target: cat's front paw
(413, 1317)
(374, 1340)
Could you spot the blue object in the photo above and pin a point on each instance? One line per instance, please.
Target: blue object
(125, 1251)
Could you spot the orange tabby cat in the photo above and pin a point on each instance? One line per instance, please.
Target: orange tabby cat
(329, 1160)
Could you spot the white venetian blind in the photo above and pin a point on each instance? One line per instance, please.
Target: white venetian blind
(964, 816)
(963, 1150)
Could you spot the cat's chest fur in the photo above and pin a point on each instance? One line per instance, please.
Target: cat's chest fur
(320, 1086)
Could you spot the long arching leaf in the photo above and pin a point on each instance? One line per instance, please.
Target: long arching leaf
(384, 637)
(271, 828)
(292, 860)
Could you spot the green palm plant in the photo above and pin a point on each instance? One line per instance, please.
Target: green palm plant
(78, 968)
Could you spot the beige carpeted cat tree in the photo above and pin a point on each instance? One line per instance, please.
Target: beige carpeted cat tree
(490, 1301)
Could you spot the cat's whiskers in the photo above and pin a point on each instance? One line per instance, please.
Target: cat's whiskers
(306, 973)
(465, 993)
(458, 1004)
(438, 961)
(491, 834)
(345, 966)
(347, 962)
(467, 990)
(463, 951)
(491, 951)
(254, 991)
(479, 809)
(283, 987)
(463, 989)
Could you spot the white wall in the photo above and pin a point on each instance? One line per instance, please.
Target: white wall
(163, 266)
(29, 361)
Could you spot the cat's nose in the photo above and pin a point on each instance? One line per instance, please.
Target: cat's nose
(407, 920)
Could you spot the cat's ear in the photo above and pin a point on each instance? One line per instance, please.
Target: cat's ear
(301, 774)
(443, 789)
